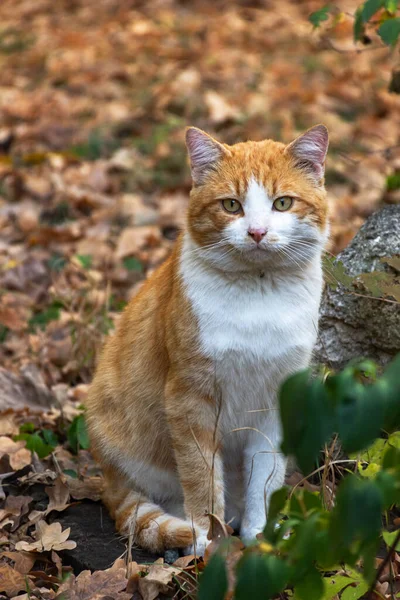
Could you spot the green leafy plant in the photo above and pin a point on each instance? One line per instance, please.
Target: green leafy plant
(131, 263)
(77, 434)
(380, 16)
(42, 318)
(42, 442)
(303, 541)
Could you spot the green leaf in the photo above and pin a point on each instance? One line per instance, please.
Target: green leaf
(41, 319)
(388, 386)
(335, 273)
(359, 411)
(27, 428)
(214, 580)
(3, 333)
(337, 583)
(357, 513)
(390, 538)
(260, 576)
(276, 504)
(389, 31)
(77, 434)
(354, 592)
(131, 263)
(307, 418)
(317, 17)
(358, 27)
(35, 443)
(57, 262)
(393, 181)
(310, 587)
(391, 6)
(50, 437)
(71, 473)
(85, 260)
(370, 8)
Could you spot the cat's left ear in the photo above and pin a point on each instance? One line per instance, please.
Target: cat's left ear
(309, 151)
(204, 153)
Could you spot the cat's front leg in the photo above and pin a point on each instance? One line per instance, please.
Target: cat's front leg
(191, 418)
(264, 468)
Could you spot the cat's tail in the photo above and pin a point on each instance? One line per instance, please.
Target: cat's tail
(152, 528)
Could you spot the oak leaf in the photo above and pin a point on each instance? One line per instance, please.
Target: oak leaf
(48, 537)
(11, 582)
(19, 456)
(95, 586)
(157, 581)
(58, 495)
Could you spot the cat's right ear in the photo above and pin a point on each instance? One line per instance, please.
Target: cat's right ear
(204, 153)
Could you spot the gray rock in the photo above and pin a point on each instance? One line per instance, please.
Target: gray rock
(98, 545)
(352, 326)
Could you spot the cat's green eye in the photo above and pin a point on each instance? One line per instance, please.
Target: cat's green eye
(231, 205)
(283, 203)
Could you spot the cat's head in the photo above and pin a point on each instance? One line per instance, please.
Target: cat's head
(258, 203)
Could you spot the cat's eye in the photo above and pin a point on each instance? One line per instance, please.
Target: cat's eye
(283, 203)
(231, 205)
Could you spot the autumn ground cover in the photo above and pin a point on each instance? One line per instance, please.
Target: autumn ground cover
(94, 99)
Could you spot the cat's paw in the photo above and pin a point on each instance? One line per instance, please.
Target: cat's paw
(201, 543)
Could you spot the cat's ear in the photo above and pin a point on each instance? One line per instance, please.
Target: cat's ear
(309, 151)
(204, 153)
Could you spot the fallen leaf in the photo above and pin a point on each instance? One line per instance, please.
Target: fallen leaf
(48, 537)
(11, 581)
(220, 110)
(95, 586)
(11, 318)
(18, 455)
(157, 581)
(184, 561)
(217, 532)
(8, 425)
(27, 389)
(90, 488)
(23, 561)
(14, 509)
(134, 239)
(58, 495)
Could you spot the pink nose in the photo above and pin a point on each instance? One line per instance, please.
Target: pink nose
(257, 234)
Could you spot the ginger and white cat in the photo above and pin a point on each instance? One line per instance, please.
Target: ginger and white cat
(182, 411)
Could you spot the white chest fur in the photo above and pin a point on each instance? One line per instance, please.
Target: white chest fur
(257, 330)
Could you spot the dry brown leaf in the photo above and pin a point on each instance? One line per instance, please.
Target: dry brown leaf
(184, 561)
(11, 318)
(90, 488)
(11, 581)
(134, 239)
(14, 509)
(58, 495)
(157, 581)
(19, 456)
(23, 561)
(217, 532)
(8, 424)
(57, 561)
(220, 110)
(27, 389)
(48, 537)
(95, 586)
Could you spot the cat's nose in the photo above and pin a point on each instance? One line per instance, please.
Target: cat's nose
(257, 233)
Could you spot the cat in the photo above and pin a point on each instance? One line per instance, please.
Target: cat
(182, 412)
